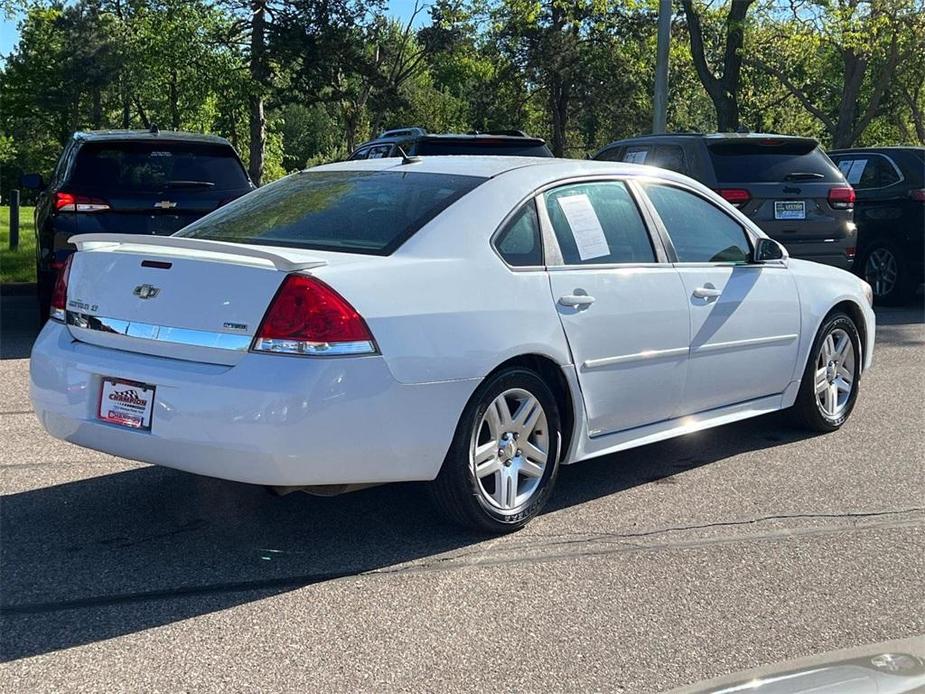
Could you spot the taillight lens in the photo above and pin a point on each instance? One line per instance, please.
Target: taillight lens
(735, 196)
(918, 194)
(68, 202)
(59, 294)
(841, 198)
(308, 317)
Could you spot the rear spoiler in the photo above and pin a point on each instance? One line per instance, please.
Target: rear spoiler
(91, 242)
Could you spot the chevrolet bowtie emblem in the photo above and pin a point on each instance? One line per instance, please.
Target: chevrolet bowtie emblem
(165, 204)
(146, 291)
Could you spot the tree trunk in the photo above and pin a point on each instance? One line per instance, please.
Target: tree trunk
(259, 73)
(174, 102)
(97, 108)
(558, 108)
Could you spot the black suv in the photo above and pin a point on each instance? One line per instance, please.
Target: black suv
(890, 214)
(418, 142)
(786, 185)
(128, 181)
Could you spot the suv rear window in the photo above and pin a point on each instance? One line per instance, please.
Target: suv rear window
(507, 148)
(370, 212)
(158, 166)
(770, 162)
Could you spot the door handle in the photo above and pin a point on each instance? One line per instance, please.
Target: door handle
(707, 292)
(576, 300)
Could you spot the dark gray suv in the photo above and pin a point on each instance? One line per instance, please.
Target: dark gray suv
(787, 185)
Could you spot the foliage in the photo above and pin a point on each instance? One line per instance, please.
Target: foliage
(294, 82)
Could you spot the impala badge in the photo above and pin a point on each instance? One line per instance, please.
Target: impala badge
(146, 291)
(165, 204)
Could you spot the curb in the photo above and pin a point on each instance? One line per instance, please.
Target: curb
(17, 289)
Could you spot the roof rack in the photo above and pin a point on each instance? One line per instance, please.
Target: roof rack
(403, 132)
(510, 132)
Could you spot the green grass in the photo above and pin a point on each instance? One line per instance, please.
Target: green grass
(18, 265)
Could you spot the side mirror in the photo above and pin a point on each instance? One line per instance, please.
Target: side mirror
(767, 250)
(32, 181)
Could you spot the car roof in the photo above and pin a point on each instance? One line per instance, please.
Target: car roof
(709, 137)
(146, 136)
(453, 137)
(490, 167)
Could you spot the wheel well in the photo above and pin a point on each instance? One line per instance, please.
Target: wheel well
(552, 375)
(854, 312)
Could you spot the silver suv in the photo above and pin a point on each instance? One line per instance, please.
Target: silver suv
(787, 185)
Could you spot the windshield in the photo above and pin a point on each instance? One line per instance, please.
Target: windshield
(158, 166)
(772, 162)
(355, 211)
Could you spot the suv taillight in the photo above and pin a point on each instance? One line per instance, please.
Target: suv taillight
(59, 293)
(735, 196)
(68, 202)
(917, 194)
(841, 198)
(308, 317)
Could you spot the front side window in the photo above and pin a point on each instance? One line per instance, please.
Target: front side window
(699, 231)
(519, 241)
(379, 151)
(598, 223)
(637, 155)
(371, 212)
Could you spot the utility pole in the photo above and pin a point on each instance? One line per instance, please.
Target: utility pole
(660, 101)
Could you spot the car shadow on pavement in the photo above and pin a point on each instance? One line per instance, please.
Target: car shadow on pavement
(112, 555)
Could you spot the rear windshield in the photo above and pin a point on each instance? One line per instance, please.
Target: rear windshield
(774, 162)
(158, 166)
(370, 212)
(507, 148)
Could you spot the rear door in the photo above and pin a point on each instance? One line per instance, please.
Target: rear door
(623, 308)
(783, 185)
(153, 186)
(744, 318)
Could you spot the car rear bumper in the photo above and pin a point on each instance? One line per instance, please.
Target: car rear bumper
(270, 419)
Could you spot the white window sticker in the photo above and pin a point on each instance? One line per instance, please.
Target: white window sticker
(852, 169)
(585, 226)
(637, 157)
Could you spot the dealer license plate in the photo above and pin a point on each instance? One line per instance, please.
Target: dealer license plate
(126, 403)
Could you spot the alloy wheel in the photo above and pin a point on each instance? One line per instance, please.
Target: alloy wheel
(835, 373)
(510, 449)
(881, 271)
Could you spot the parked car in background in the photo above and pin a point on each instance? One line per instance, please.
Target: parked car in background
(129, 182)
(327, 331)
(786, 185)
(419, 142)
(890, 214)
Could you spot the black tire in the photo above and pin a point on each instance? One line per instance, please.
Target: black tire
(807, 411)
(456, 492)
(902, 288)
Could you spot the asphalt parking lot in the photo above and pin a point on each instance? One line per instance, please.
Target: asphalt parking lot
(659, 567)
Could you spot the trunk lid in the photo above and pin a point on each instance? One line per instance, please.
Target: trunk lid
(174, 297)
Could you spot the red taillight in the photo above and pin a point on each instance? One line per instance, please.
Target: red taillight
(918, 194)
(841, 198)
(59, 294)
(68, 202)
(851, 251)
(735, 196)
(308, 317)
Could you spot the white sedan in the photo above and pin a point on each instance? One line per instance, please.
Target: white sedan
(473, 322)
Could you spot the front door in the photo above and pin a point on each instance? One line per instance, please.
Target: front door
(745, 317)
(624, 313)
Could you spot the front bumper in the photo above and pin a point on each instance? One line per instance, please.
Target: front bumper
(270, 419)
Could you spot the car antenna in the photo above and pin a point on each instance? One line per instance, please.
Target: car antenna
(154, 130)
(406, 159)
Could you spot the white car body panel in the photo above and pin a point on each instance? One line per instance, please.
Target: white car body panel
(445, 311)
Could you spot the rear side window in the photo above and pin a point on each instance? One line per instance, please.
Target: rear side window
(158, 166)
(519, 241)
(699, 231)
(371, 212)
(867, 171)
(379, 151)
(669, 157)
(507, 147)
(598, 223)
(771, 161)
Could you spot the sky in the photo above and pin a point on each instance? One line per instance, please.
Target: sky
(9, 34)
